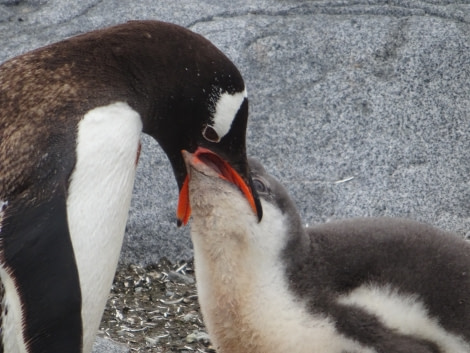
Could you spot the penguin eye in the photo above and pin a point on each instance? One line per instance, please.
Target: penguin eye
(210, 134)
(259, 186)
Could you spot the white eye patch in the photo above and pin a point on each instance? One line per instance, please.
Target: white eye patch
(226, 108)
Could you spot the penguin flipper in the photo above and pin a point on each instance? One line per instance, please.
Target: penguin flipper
(37, 259)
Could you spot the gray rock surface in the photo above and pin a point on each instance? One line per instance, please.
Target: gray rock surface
(104, 345)
(361, 108)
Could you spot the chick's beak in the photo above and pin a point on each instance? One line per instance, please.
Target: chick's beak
(225, 171)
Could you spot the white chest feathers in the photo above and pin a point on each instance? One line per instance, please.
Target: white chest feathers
(98, 202)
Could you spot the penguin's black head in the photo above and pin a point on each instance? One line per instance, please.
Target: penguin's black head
(198, 100)
(220, 129)
(214, 118)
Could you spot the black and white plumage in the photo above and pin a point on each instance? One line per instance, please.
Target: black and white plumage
(377, 285)
(71, 115)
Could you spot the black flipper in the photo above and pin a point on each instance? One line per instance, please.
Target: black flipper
(38, 253)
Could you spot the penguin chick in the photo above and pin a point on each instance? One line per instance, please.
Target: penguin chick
(377, 285)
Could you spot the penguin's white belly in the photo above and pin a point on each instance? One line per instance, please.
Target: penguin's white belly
(98, 202)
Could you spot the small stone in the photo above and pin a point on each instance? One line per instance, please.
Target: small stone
(197, 336)
(104, 345)
(151, 341)
(154, 275)
(180, 278)
(190, 316)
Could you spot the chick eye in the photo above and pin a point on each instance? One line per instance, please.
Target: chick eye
(210, 134)
(259, 186)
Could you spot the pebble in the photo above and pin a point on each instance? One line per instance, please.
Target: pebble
(197, 336)
(180, 278)
(190, 316)
(104, 345)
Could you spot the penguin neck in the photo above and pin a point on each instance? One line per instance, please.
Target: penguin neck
(241, 276)
(224, 257)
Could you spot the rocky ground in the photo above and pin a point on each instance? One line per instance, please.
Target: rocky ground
(155, 309)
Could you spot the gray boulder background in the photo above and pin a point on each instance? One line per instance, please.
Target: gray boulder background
(360, 109)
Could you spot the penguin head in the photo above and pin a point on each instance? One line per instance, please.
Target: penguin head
(209, 116)
(216, 122)
(272, 192)
(223, 213)
(195, 97)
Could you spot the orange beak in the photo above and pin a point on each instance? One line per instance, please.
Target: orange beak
(223, 169)
(183, 211)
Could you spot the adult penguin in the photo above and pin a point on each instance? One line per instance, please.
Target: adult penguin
(71, 115)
